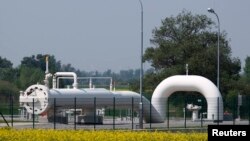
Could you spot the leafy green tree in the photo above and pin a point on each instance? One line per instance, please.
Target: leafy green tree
(4, 63)
(7, 73)
(38, 61)
(7, 89)
(244, 82)
(247, 69)
(107, 73)
(188, 39)
(8, 76)
(32, 69)
(67, 68)
(29, 76)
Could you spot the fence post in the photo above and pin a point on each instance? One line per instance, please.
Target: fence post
(185, 111)
(12, 109)
(94, 112)
(113, 113)
(10, 106)
(54, 113)
(4, 119)
(132, 113)
(33, 112)
(218, 108)
(75, 113)
(202, 107)
(150, 114)
(233, 110)
(168, 111)
(201, 116)
(248, 110)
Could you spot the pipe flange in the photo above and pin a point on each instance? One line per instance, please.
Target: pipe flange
(35, 99)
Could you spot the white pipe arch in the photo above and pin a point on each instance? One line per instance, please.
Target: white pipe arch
(66, 74)
(188, 83)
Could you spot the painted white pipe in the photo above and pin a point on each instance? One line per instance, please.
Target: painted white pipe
(189, 83)
(47, 74)
(65, 74)
(90, 82)
(47, 65)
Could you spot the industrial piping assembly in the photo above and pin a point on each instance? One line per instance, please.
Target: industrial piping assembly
(40, 99)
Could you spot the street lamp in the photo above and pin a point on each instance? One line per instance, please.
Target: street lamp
(210, 10)
(141, 72)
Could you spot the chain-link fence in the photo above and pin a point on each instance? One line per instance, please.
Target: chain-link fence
(123, 113)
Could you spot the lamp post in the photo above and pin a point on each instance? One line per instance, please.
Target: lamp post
(210, 10)
(141, 72)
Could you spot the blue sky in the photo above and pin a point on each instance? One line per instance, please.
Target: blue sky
(105, 34)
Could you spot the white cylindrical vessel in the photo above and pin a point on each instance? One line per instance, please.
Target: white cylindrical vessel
(39, 99)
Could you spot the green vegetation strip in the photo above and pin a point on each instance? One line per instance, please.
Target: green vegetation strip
(9, 134)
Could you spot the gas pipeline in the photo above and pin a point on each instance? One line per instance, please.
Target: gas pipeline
(40, 99)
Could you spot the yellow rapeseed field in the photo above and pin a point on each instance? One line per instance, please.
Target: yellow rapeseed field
(8, 134)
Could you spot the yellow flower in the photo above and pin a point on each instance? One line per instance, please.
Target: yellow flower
(7, 134)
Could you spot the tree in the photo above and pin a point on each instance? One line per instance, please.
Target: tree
(7, 89)
(4, 63)
(38, 61)
(67, 68)
(7, 73)
(188, 39)
(244, 82)
(247, 69)
(29, 76)
(8, 76)
(107, 73)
